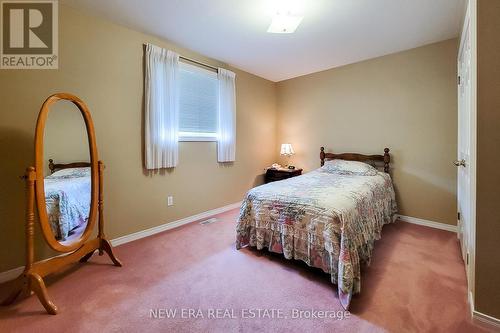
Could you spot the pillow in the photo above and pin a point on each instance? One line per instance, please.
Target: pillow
(70, 173)
(352, 168)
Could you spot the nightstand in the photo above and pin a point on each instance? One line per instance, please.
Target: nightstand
(273, 175)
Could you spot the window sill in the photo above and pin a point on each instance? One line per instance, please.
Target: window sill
(197, 137)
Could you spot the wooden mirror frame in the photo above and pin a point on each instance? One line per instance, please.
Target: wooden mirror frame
(40, 177)
(80, 251)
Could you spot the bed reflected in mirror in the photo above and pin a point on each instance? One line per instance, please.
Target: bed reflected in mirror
(67, 172)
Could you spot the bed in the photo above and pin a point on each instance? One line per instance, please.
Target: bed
(329, 217)
(67, 197)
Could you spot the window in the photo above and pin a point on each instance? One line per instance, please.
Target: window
(198, 103)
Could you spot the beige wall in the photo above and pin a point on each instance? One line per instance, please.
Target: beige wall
(487, 290)
(102, 63)
(405, 101)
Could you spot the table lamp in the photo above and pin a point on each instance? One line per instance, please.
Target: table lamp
(287, 150)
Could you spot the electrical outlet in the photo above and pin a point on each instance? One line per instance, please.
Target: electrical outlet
(170, 200)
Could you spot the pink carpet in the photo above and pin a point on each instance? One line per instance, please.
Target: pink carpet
(416, 283)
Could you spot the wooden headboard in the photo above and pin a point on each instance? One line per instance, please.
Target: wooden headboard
(386, 158)
(56, 167)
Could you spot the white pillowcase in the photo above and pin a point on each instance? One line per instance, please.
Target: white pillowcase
(70, 173)
(353, 168)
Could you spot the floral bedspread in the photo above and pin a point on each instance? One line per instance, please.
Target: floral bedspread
(67, 200)
(327, 220)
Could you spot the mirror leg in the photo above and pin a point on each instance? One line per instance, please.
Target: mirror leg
(40, 290)
(106, 246)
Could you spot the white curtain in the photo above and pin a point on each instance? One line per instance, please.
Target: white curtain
(226, 141)
(161, 107)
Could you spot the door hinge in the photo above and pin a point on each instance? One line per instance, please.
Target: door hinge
(458, 216)
(459, 80)
(467, 259)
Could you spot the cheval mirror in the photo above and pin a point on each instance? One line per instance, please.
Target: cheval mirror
(67, 185)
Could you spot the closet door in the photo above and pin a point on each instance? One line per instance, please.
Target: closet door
(464, 146)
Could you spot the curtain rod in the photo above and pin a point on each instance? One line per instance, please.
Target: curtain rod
(195, 61)
(199, 63)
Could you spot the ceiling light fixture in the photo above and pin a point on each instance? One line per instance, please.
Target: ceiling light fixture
(284, 24)
(286, 16)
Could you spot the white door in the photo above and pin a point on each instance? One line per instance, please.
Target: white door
(464, 145)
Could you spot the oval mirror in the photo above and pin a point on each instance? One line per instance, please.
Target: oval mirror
(66, 172)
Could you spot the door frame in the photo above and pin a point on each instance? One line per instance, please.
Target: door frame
(470, 22)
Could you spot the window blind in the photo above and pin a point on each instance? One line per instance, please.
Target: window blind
(198, 101)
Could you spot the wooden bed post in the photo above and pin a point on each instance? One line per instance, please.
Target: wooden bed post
(387, 160)
(51, 166)
(322, 155)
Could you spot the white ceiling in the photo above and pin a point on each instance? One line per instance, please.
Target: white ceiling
(333, 32)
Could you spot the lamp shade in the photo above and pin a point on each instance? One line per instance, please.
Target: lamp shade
(287, 149)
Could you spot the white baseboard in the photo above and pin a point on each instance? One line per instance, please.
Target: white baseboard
(11, 274)
(15, 272)
(427, 223)
(483, 320)
(172, 225)
(486, 321)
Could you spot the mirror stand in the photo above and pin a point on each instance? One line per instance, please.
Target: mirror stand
(31, 280)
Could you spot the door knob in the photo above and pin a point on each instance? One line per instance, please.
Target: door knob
(459, 163)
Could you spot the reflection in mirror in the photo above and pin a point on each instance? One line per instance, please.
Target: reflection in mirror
(67, 172)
